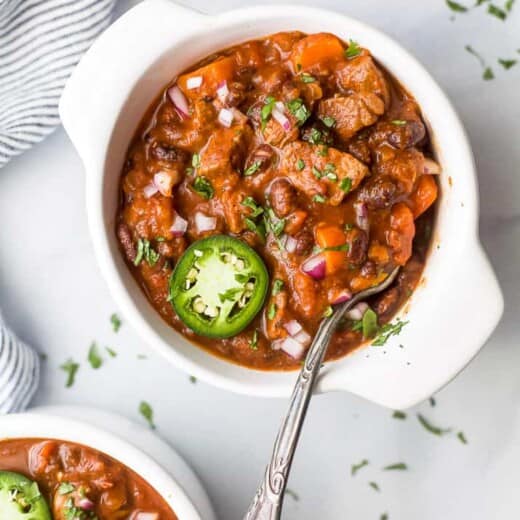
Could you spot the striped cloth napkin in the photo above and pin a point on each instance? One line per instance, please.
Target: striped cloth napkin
(40, 43)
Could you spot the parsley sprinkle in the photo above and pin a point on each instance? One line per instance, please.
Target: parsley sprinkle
(399, 466)
(203, 187)
(319, 198)
(352, 50)
(384, 516)
(374, 486)
(356, 467)
(251, 203)
(147, 412)
(111, 352)
(265, 113)
(278, 287)
(300, 165)
(193, 380)
(509, 5)
(252, 169)
(456, 7)
(507, 64)
(345, 184)
(369, 324)
(254, 340)
(315, 136)
(292, 494)
(328, 121)
(146, 251)
(399, 415)
(317, 173)
(328, 312)
(430, 427)
(387, 331)
(497, 11)
(307, 78)
(462, 438)
(487, 73)
(195, 160)
(271, 313)
(65, 488)
(94, 358)
(259, 228)
(298, 109)
(398, 122)
(432, 402)
(116, 322)
(70, 368)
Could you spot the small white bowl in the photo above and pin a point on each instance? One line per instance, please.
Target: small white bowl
(453, 311)
(178, 486)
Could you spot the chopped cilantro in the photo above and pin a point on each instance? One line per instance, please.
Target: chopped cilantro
(307, 78)
(399, 415)
(203, 187)
(328, 312)
(399, 466)
(432, 402)
(352, 50)
(388, 330)
(356, 467)
(271, 312)
(116, 322)
(94, 357)
(384, 516)
(369, 324)
(319, 198)
(65, 488)
(462, 438)
(193, 380)
(323, 151)
(509, 5)
(456, 7)
(328, 121)
(70, 368)
(292, 494)
(147, 412)
(195, 160)
(259, 228)
(251, 203)
(430, 427)
(253, 343)
(278, 286)
(146, 251)
(111, 352)
(399, 122)
(298, 109)
(317, 173)
(265, 113)
(345, 184)
(252, 169)
(374, 486)
(273, 223)
(507, 64)
(300, 165)
(496, 11)
(487, 73)
(315, 136)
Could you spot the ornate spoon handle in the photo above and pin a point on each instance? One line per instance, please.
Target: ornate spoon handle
(267, 503)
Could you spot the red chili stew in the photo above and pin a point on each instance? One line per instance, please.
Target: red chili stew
(306, 149)
(77, 482)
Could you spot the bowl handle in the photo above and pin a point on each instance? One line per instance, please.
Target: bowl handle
(94, 95)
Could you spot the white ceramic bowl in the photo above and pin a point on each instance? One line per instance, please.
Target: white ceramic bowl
(451, 314)
(182, 492)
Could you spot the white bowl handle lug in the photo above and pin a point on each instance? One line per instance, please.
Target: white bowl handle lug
(100, 84)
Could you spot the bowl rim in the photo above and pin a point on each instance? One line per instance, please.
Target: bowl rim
(48, 426)
(282, 386)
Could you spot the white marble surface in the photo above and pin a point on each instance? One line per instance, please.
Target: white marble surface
(53, 296)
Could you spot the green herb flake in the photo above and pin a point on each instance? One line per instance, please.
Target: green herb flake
(94, 358)
(251, 170)
(320, 199)
(317, 173)
(432, 401)
(345, 184)
(328, 312)
(352, 50)
(497, 12)
(374, 486)
(369, 323)
(111, 352)
(203, 187)
(356, 467)
(271, 312)
(145, 251)
(399, 415)
(70, 368)
(428, 426)
(65, 488)
(253, 343)
(278, 286)
(307, 78)
(384, 516)
(328, 121)
(292, 494)
(399, 466)
(387, 331)
(315, 136)
(300, 165)
(507, 64)
(399, 122)
(265, 113)
(147, 412)
(456, 7)
(509, 5)
(193, 380)
(259, 228)
(251, 203)
(298, 109)
(348, 227)
(488, 74)
(462, 438)
(195, 160)
(323, 151)
(116, 322)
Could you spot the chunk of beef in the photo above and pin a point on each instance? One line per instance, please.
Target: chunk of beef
(351, 113)
(282, 197)
(234, 210)
(307, 166)
(276, 135)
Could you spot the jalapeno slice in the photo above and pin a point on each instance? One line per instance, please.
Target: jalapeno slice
(218, 286)
(20, 498)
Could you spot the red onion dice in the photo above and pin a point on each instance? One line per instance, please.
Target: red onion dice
(293, 327)
(222, 91)
(143, 515)
(315, 267)
(303, 338)
(225, 117)
(205, 223)
(290, 243)
(164, 182)
(150, 190)
(179, 101)
(357, 312)
(179, 226)
(194, 82)
(431, 167)
(281, 118)
(86, 504)
(341, 296)
(292, 347)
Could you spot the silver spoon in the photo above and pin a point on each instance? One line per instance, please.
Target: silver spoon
(267, 504)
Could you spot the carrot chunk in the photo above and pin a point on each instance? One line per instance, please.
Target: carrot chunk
(425, 194)
(402, 231)
(213, 75)
(315, 50)
(331, 237)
